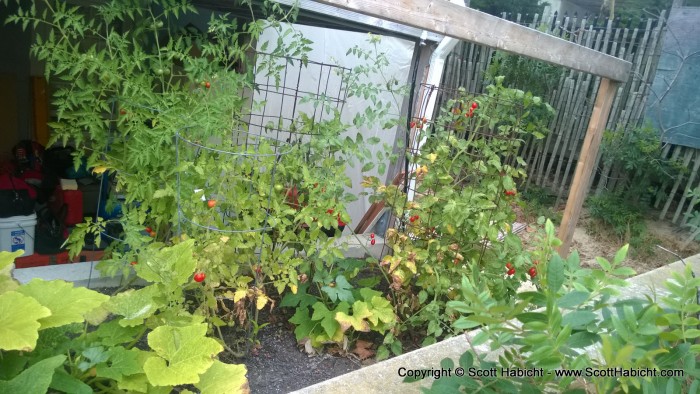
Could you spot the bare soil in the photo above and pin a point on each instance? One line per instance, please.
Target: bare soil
(279, 366)
(591, 240)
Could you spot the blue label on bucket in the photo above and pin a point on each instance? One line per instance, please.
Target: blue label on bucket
(17, 240)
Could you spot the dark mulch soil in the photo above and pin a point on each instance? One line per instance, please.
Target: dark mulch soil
(278, 366)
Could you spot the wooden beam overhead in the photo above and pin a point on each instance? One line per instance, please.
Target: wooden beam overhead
(452, 20)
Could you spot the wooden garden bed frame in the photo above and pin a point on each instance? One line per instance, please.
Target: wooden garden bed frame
(452, 20)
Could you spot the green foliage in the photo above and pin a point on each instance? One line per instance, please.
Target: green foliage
(616, 212)
(48, 340)
(534, 76)
(539, 202)
(497, 7)
(158, 108)
(465, 190)
(638, 154)
(553, 328)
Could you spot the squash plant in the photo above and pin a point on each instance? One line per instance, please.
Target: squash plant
(57, 336)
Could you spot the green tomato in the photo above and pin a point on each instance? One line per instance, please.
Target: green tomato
(279, 187)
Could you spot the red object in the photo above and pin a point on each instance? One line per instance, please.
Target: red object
(199, 277)
(72, 200)
(16, 183)
(39, 260)
(511, 271)
(373, 241)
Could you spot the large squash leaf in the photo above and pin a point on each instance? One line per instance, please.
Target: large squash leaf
(19, 321)
(35, 379)
(67, 304)
(223, 378)
(173, 265)
(134, 305)
(183, 353)
(6, 281)
(121, 362)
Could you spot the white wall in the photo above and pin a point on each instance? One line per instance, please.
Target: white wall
(329, 45)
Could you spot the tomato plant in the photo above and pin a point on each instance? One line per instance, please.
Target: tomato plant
(458, 221)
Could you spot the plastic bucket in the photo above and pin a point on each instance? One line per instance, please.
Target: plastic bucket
(17, 232)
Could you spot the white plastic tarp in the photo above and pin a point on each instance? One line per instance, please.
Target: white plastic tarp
(330, 47)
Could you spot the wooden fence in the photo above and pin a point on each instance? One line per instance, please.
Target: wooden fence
(552, 161)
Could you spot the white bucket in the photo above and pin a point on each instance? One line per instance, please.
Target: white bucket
(17, 232)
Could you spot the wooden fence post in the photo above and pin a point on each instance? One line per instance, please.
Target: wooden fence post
(586, 162)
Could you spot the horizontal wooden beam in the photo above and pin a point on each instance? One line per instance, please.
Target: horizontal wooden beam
(452, 20)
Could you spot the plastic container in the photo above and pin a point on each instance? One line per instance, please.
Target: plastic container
(17, 232)
(73, 201)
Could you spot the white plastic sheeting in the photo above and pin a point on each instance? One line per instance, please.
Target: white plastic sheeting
(331, 46)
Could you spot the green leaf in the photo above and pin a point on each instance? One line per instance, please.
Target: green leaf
(360, 312)
(134, 305)
(528, 317)
(624, 271)
(121, 362)
(172, 266)
(341, 291)
(19, 321)
(582, 339)
(304, 324)
(183, 353)
(6, 259)
(67, 304)
(573, 299)
(382, 310)
(223, 378)
(578, 318)
(112, 333)
(555, 273)
(35, 379)
(301, 299)
(7, 283)
(621, 255)
(327, 318)
(66, 383)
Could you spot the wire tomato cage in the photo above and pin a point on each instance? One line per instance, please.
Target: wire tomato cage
(461, 158)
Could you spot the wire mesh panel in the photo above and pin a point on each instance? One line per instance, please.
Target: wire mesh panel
(462, 165)
(227, 185)
(292, 96)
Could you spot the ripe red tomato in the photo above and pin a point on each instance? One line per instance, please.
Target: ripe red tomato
(371, 235)
(373, 241)
(509, 265)
(511, 271)
(211, 203)
(532, 272)
(207, 84)
(134, 263)
(199, 277)
(148, 230)
(413, 124)
(475, 105)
